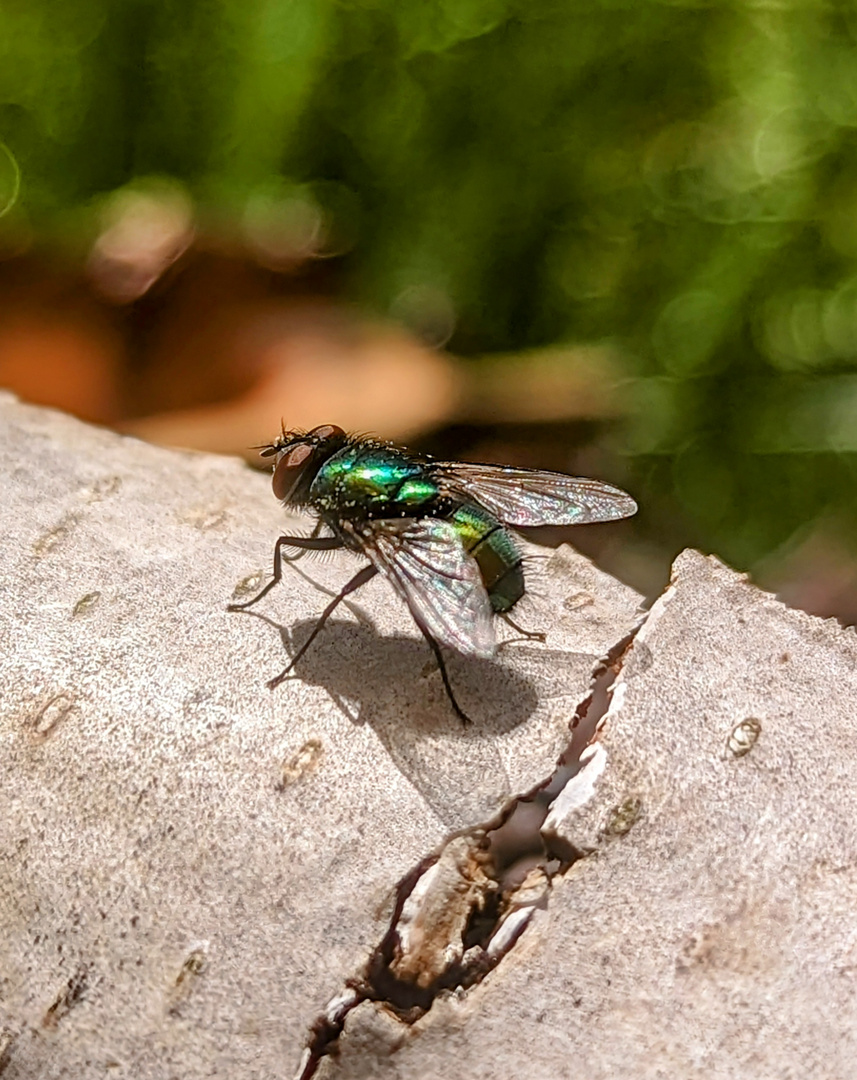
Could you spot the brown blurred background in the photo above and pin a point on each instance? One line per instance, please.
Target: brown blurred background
(618, 241)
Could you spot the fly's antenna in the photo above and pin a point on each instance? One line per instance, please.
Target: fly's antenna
(269, 449)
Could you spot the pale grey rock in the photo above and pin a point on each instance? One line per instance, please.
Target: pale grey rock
(711, 932)
(192, 866)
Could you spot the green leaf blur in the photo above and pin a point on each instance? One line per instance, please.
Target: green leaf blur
(678, 178)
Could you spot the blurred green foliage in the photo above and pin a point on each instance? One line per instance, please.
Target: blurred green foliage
(680, 178)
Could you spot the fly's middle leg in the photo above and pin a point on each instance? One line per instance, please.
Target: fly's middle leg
(441, 663)
(360, 578)
(304, 544)
(527, 635)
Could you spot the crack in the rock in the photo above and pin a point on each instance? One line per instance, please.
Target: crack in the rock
(505, 868)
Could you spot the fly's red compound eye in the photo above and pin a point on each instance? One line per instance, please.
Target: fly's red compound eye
(289, 468)
(325, 431)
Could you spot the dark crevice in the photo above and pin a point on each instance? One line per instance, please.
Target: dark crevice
(518, 868)
(328, 1027)
(483, 922)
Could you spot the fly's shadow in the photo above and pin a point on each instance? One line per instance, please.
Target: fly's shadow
(393, 680)
(392, 684)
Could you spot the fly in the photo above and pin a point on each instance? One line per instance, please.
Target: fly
(437, 530)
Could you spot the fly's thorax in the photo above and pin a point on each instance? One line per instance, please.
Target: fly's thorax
(495, 551)
(372, 481)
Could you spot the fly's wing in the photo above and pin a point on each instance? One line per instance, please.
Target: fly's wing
(534, 497)
(427, 565)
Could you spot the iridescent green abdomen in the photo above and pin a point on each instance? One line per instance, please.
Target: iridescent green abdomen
(496, 554)
(372, 481)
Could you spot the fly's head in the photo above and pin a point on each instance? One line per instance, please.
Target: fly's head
(298, 455)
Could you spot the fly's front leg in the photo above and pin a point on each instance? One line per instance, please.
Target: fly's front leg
(316, 529)
(360, 578)
(303, 543)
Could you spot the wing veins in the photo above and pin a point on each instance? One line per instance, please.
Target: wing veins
(535, 497)
(412, 554)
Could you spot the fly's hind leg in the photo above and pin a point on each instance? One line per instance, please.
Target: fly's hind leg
(360, 578)
(313, 542)
(527, 635)
(441, 663)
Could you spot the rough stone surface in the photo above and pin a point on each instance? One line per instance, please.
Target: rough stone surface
(193, 865)
(711, 933)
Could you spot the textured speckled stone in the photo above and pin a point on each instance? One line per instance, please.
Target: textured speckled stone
(711, 934)
(191, 864)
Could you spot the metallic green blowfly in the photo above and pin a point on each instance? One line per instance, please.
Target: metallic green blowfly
(437, 530)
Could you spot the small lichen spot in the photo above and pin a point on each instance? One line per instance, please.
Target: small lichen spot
(206, 519)
(53, 537)
(304, 761)
(86, 603)
(194, 965)
(743, 737)
(104, 488)
(247, 585)
(577, 601)
(624, 816)
(67, 998)
(52, 715)
(7, 1041)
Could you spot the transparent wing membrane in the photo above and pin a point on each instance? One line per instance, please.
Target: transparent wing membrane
(533, 497)
(427, 565)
